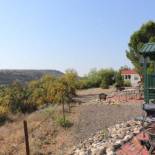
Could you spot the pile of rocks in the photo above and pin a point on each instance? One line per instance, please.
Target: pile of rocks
(107, 141)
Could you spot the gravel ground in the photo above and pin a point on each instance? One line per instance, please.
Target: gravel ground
(93, 118)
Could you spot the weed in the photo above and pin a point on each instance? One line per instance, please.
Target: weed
(104, 133)
(64, 122)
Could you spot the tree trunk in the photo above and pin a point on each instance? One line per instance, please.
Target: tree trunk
(69, 107)
(63, 110)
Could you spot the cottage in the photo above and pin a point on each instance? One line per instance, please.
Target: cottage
(132, 76)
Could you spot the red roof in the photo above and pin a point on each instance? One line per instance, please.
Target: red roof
(128, 71)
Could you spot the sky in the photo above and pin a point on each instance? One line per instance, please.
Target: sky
(65, 34)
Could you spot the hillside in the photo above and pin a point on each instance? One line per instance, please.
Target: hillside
(8, 76)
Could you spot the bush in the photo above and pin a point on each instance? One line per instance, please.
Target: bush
(119, 82)
(104, 133)
(104, 84)
(3, 114)
(127, 83)
(98, 78)
(28, 108)
(64, 122)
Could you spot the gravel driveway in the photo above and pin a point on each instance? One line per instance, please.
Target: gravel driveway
(96, 117)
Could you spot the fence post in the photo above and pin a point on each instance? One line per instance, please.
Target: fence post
(26, 138)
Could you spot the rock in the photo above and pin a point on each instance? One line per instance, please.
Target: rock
(83, 153)
(97, 144)
(76, 152)
(121, 135)
(136, 131)
(98, 151)
(118, 126)
(127, 138)
(118, 144)
(110, 151)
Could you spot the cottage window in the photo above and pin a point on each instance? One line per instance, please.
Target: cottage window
(129, 77)
(136, 78)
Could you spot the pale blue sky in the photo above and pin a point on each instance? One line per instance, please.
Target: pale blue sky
(62, 34)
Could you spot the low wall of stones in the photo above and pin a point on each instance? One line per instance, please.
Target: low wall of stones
(107, 141)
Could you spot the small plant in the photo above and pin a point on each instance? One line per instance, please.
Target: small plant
(64, 122)
(49, 111)
(104, 133)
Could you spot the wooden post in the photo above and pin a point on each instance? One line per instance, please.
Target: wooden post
(26, 138)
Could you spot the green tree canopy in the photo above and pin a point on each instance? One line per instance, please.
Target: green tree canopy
(98, 78)
(145, 34)
(119, 79)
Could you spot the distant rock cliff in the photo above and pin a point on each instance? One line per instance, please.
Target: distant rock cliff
(23, 76)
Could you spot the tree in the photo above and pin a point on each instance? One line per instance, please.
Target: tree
(70, 79)
(119, 80)
(94, 79)
(97, 78)
(144, 35)
(35, 96)
(47, 83)
(61, 94)
(107, 77)
(16, 91)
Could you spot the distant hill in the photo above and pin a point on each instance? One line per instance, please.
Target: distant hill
(23, 76)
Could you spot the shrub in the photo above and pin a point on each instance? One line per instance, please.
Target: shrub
(104, 84)
(3, 114)
(28, 108)
(127, 83)
(63, 122)
(119, 82)
(98, 78)
(104, 133)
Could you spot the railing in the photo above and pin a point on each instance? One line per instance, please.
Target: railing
(149, 88)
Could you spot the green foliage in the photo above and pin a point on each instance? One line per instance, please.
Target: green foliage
(35, 94)
(107, 77)
(144, 35)
(70, 78)
(119, 82)
(127, 83)
(3, 114)
(104, 133)
(151, 67)
(101, 78)
(104, 84)
(64, 122)
(12, 96)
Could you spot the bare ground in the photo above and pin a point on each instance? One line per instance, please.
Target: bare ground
(49, 138)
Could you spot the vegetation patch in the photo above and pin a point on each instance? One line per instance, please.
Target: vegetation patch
(63, 122)
(104, 133)
(15, 98)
